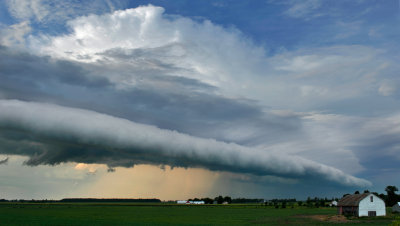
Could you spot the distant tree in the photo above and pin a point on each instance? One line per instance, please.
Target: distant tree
(392, 197)
(207, 200)
(283, 205)
(219, 199)
(309, 202)
(381, 195)
(345, 195)
(391, 189)
(300, 203)
(357, 192)
(366, 191)
(228, 199)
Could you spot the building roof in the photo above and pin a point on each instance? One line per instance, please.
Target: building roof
(352, 200)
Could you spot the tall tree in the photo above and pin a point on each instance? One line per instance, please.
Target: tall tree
(392, 197)
(219, 199)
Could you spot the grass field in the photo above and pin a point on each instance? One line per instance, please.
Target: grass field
(162, 214)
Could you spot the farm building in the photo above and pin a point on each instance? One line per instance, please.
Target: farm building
(190, 202)
(396, 208)
(333, 203)
(361, 205)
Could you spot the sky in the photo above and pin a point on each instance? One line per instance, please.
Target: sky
(183, 99)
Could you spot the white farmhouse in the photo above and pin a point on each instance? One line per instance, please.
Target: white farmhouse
(396, 208)
(361, 205)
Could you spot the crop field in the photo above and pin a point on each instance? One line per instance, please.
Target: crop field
(172, 214)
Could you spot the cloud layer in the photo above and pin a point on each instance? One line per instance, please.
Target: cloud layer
(119, 142)
(143, 86)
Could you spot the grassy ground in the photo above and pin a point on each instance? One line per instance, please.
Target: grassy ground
(161, 214)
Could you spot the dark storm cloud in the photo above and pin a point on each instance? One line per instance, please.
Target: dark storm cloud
(17, 66)
(167, 101)
(59, 134)
(378, 145)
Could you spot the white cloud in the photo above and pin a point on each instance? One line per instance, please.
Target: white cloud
(303, 9)
(123, 140)
(28, 9)
(387, 88)
(48, 11)
(146, 33)
(137, 41)
(303, 79)
(14, 35)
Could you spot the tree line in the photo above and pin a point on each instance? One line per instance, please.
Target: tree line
(227, 199)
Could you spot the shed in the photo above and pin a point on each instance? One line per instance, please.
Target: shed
(361, 205)
(396, 208)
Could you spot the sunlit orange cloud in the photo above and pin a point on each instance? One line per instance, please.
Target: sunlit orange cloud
(91, 168)
(146, 181)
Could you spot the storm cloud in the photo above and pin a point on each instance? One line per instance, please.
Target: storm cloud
(97, 138)
(142, 86)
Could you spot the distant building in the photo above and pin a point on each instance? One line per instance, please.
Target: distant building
(361, 205)
(396, 208)
(333, 203)
(190, 202)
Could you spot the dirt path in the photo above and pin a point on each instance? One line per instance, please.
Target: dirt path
(327, 218)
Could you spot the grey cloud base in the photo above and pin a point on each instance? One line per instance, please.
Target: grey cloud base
(51, 134)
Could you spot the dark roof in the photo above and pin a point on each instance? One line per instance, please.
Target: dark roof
(352, 200)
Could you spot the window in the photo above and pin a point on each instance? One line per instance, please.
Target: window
(371, 198)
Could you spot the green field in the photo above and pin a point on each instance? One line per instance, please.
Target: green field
(163, 214)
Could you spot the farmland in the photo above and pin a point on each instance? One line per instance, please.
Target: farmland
(172, 214)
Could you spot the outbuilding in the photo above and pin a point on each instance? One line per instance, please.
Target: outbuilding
(396, 208)
(362, 205)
